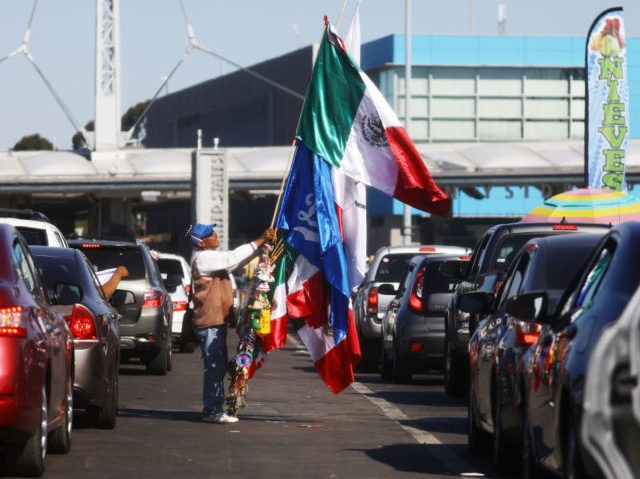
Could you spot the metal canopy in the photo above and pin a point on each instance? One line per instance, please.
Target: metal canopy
(262, 168)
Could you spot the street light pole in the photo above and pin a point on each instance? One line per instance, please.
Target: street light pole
(406, 229)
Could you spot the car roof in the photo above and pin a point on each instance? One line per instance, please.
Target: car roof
(421, 248)
(38, 224)
(105, 242)
(544, 226)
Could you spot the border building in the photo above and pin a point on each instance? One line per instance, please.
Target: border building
(499, 121)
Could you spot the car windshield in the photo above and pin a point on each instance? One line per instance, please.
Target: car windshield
(392, 267)
(105, 257)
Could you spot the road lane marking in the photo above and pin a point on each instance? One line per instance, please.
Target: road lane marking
(455, 462)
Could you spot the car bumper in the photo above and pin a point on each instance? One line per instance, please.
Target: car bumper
(148, 335)
(94, 374)
(372, 328)
(21, 378)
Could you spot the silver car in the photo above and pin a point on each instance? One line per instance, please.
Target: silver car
(370, 305)
(76, 294)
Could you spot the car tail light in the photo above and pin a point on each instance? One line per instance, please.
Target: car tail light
(187, 288)
(90, 245)
(12, 322)
(372, 301)
(415, 299)
(179, 305)
(152, 299)
(427, 249)
(415, 347)
(526, 333)
(81, 323)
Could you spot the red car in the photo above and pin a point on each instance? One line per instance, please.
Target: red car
(36, 364)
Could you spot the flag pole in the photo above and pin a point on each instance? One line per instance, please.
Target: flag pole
(344, 6)
(284, 177)
(293, 143)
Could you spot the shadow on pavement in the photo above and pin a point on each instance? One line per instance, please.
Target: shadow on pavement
(187, 416)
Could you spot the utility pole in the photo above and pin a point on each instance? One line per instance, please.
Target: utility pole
(107, 89)
(406, 226)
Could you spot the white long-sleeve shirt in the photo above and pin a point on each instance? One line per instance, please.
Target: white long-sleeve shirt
(208, 260)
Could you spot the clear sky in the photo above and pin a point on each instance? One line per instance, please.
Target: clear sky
(153, 39)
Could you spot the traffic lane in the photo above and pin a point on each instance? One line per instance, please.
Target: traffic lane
(293, 425)
(435, 420)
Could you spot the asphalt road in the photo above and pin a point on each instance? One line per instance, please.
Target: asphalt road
(293, 426)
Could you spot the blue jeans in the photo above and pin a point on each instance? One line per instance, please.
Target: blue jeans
(213, 343)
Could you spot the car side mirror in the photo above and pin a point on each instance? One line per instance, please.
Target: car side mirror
(387, 288)
(121, 297)
(67, 293)
(479, 302)
(529, 306)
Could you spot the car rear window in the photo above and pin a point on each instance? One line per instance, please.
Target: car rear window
(33, 236)
(509, 247)
(170, 267)
(436, 282)
(392, 267)
(106, 257)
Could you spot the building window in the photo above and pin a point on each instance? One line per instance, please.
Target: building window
(488, 103)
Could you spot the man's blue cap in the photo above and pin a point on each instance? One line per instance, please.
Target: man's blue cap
(199, 231)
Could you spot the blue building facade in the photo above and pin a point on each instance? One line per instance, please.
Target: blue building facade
(490, 89)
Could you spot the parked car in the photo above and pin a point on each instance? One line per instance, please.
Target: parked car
(77, 294)
(141, 299)
(36, 364)
(611, 405)
(556, 364)
(36, 228)
(485, 272)
(413, 325)
(497, 346)
(369, 304)
(176, 273)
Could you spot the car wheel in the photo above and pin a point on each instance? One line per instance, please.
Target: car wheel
(28, 458)
(572, 466)
(478, 441)
(105, 417)
(400, 371)
(158, 364)
(454, 371)
(505, 458)
(60, 438)
(385, 365)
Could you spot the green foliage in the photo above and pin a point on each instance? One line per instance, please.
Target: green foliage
(131, 117)
(78, 141)
(33, 143)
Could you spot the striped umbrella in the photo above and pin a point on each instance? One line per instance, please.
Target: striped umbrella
(587, 205)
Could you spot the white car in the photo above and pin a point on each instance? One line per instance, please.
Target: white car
(37, 232)
(175, 265)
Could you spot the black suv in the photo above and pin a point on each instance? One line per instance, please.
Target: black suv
(141, 299)
(485, 272)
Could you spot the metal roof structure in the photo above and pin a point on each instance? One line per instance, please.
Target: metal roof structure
(263, 168)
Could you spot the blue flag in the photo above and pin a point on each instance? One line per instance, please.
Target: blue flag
(308, 213)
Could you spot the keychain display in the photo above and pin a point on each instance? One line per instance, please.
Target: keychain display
(255, 323)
